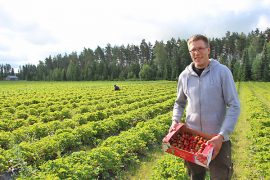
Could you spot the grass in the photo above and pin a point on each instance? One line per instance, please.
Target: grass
(144, 170)
(263, 89)
(241, 143)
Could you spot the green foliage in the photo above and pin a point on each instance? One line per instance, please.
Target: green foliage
(245, 67)
(165, 60)
(146, 73)
(87, 130)
(161, 60)
(256, 68)
(5, 138)
(259, 119)
(55, 125)
(266, 61)
(169, 167)
(113, 154)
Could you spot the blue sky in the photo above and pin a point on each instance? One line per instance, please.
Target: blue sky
(31, 30)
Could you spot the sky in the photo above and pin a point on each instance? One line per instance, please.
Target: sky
(31, 30)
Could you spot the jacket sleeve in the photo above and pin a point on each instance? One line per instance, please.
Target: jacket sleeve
(232, 103)
(180, 102)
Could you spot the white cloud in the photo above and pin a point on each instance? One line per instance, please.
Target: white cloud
(32, 30)
(264, 22)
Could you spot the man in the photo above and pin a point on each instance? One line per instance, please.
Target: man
(116, 88)
(208, 90)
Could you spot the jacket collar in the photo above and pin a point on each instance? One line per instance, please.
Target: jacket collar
(211, 65)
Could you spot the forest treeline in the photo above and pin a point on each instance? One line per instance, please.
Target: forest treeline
(247, 56)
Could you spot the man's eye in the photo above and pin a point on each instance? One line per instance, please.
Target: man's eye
(199, 49)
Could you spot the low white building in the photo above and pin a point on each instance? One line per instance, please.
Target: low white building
(12, 78)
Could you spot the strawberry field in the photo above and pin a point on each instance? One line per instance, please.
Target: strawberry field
(86, 130)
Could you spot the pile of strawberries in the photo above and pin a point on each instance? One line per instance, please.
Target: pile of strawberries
(188, 142)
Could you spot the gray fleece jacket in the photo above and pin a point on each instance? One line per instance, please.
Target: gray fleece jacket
(212, 101)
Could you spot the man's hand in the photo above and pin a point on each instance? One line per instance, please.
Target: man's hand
(216, 141)
(173, 126)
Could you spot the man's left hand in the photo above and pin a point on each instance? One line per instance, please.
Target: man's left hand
(216, 141)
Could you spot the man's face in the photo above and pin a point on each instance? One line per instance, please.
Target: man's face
(199, 53)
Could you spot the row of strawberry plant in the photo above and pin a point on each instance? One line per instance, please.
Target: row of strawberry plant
(39, 130)
(90, 134)
(112, 156)
(57, 103)
(66, 95)
(169, 167)
(16, 117)
(262, 91)
(259, 118)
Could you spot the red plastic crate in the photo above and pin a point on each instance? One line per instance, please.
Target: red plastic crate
(202, 158)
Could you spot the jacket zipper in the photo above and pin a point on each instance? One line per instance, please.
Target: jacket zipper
(200, 102)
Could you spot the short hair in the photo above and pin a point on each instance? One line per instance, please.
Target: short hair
(198, 37)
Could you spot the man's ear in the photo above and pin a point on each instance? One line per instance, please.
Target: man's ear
(209, 50)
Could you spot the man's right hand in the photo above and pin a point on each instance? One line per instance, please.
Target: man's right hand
(173, 126)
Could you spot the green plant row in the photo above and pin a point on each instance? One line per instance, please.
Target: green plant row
(40, 130)
(13, 117)
(259, 118)
(90, 134)
(262, 91)
(112, 156)
(169, 167)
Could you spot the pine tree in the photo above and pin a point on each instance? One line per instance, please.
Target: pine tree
(265, 62)
(245, 69)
